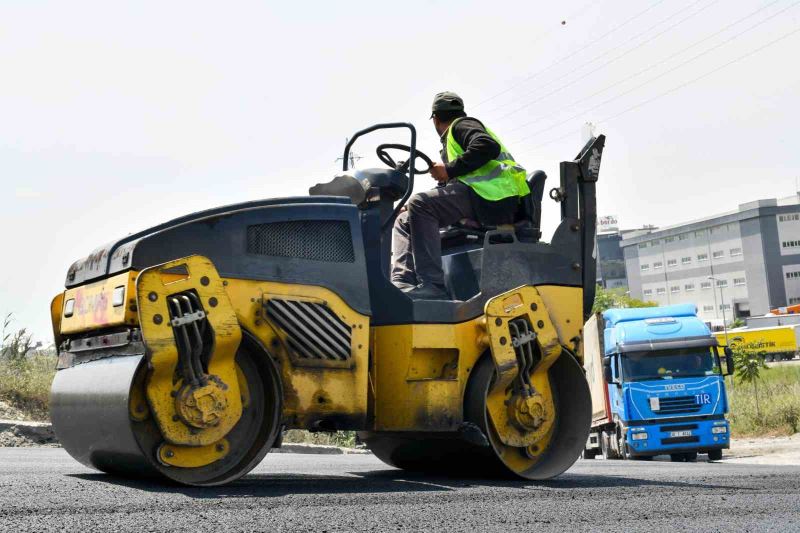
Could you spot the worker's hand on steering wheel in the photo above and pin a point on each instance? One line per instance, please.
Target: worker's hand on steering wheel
(439, 172)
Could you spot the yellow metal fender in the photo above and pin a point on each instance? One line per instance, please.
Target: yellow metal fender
(521, 422)
(162, 389)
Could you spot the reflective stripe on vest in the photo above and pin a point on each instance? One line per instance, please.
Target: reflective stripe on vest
(498, 179)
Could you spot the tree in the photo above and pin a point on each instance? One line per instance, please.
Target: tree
(748, 365)
(612, 298)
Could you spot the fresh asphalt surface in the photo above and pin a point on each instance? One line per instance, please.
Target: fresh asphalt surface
(45, 490)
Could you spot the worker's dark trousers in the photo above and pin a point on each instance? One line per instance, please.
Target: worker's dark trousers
(416, 246)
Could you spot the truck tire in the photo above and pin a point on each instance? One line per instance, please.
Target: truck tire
(714, 455)
(605, 446)
(690, 457)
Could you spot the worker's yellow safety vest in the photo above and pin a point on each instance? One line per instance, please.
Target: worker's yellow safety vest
(498, 179)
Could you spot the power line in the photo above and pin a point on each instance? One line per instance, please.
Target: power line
(646, 69)
(620, 56)
(678, 66)
(674, 89)
(558, 61)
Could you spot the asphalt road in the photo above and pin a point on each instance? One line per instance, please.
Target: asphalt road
(45, 490)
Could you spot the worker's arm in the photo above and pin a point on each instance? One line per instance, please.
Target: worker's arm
(479, 148)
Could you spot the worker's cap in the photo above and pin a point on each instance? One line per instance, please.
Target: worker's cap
(447, 101)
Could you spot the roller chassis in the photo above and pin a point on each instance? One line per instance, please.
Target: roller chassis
(305, 332)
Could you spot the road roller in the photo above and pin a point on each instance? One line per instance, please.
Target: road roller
(186, 350)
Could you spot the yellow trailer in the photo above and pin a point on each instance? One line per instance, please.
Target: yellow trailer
(776, 343)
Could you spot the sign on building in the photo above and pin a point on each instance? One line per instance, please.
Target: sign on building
(607, 224)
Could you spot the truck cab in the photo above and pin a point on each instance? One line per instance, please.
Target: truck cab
(657, 385)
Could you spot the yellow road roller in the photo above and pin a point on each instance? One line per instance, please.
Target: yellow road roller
(186, 350)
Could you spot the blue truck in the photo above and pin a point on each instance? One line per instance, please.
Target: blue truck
(657, 385)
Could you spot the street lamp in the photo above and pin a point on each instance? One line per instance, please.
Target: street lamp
(722, 304)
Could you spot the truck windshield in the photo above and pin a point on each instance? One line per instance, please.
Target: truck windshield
(669, 364)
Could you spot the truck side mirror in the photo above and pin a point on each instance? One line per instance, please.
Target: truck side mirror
(607, 370)
(729, 361)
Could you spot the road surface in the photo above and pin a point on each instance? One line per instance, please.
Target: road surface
(43, 489)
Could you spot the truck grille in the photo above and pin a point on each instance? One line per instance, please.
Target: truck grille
(678, 404)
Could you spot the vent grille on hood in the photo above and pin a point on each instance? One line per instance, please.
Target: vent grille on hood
(313, 331)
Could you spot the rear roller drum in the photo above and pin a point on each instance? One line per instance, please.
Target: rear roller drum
(464, 456)
(570, 432)
(101, 419)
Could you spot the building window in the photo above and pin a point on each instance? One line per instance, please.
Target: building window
(642, 245)
(657, 265)
(718, 254)
(645, 267)
(790, 244)
(648, 292)
(669, 239)
(794, 300)
(722, 283)
(789, 218)
(700, 233)
(702, 257)
(708, 308)
(661, 290)
(656, 242)
(675, 288)
(686, 260)
(791, 275)
(689, 287)
(672, 263)
(683, 236)
(724, 307)
(705, 285)
(738, 282)
(736, 251)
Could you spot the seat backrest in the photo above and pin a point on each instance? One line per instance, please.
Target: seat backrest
(536, 181)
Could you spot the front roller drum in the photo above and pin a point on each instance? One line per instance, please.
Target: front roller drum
(100, 417)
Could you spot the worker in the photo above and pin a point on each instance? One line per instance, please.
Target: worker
(478, 181)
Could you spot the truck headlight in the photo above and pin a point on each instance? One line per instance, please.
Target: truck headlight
(719, 429)
(638, 436)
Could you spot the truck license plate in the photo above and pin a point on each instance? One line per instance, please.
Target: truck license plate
(680, 433)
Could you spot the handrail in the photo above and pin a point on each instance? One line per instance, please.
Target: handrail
(411, 155)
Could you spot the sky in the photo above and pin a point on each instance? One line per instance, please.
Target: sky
(115, 116)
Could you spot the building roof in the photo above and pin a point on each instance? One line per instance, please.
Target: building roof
(745, 211)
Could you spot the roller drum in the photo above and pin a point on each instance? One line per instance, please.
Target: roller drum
(89, 408)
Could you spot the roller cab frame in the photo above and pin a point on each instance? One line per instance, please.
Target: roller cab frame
(187, 349)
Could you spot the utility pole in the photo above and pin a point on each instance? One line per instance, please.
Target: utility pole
(722, 304)
(352, 156)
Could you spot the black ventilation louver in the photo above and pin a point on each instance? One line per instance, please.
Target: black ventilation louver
(313, 331)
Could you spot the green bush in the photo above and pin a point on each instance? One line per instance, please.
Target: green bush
(25, 383)
(778, 409)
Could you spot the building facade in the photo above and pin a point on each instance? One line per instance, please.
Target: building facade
(740, 263)
(610, 262)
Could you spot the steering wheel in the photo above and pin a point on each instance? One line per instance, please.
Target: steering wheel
(402, 166)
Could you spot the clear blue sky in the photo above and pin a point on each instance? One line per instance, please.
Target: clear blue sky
(115, 116)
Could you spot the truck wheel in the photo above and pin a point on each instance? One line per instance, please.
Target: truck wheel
(605, 447)
(676, 457)
(690, 457)
(714, 455)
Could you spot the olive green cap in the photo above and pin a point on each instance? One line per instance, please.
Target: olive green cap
(447, 101)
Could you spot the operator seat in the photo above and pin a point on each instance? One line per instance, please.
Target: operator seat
(527, 222)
